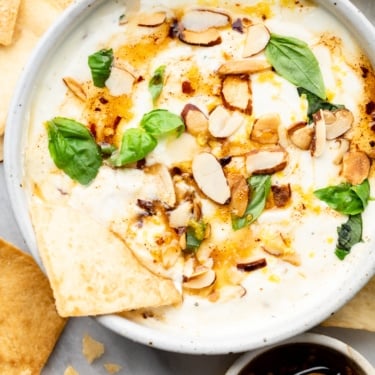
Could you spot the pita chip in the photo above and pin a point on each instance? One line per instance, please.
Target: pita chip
(33, 19)
(359, 313)
(91, 270)
(8, 17)
(29, 323)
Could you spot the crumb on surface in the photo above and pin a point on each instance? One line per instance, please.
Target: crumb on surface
(112, 368)
(91, 348)
(71, 371)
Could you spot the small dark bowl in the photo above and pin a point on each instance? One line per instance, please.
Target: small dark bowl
(307, 354)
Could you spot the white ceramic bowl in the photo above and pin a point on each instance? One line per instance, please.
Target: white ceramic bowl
(222, 337)
(307, 338)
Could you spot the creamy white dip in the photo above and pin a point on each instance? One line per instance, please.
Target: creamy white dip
(279, 292)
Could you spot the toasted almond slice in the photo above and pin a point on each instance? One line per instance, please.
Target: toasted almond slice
(125, 65)
(152, 19)
(208, 38)
(236, 93)
(120, 82)
(301, 135)
(343, 148)
(223, 123)
(231, 292)
(245, 66)
(164, 183)
(189, 266)
(75, 87)
(180, 216)
(266, 129)
(209, 176)
(257, 38)
(355, 167)
(195, 120)
(203, 19)
(201, 281)
(343, 120)
(239, 193)
(319, 139)
(264, 161)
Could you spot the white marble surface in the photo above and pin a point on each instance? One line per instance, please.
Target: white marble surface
(138, 359)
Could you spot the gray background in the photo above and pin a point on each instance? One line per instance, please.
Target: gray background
(139, 359)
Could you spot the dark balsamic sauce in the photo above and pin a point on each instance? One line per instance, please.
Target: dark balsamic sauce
(291, 359)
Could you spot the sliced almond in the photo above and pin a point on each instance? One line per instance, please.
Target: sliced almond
(164, 183)
(228, 293)
(236, 93)
(257, 38)
(189, 266)
(125, 65)
(301, 135)
(265, 161)
(223, 122)
(245, 66)
(239, 193)
(209, 176)
(266, 129)
(203, 19)
(181, 215)
(355, 167)
(202, 280)
(75, 87)
(343, 148)
(319, 139)
(120, 82)
(195, 120)
(208, 38)
(343, 120)
(152, 19)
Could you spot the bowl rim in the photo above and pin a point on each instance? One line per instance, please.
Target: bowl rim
(343, 10)
(312, 338)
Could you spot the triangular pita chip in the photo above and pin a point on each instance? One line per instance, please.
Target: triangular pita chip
(359, 313)
(29, 323)
(91, 270)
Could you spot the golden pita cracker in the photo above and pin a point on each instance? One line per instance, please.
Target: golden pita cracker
(29, 323)
(91, 270)
(34, 18)
(359, 313)
(8, 16)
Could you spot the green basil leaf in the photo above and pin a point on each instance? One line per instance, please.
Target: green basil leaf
(363, 192)
(160, 122)
(350, 233)
(315, 103)
(100, 64)
(293, 60)
(346, 198)
(195, 233)
(135, 145)
(155, 86)
(73, 149)
(260, 186)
